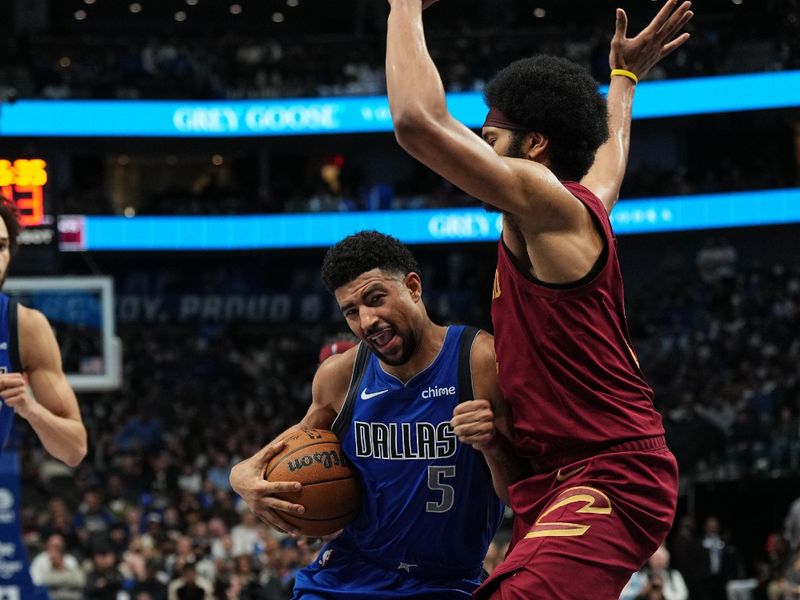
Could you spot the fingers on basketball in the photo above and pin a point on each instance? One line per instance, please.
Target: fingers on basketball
(331, 492)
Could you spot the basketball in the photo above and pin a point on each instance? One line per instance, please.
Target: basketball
(331, 492)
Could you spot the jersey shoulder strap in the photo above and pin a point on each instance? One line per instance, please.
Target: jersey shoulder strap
(13, 336)
(465, 389)
(342, 421)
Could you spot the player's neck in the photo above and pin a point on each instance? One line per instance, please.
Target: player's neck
(430, 344)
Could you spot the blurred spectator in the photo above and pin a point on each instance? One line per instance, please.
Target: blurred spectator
(141, 433)
(190, 480)
(184, 554)
(154, 536)
(656, 580)
(791, 526)
(58, 520)
(189, 586)
(103, 579)
(245, 580)
(150, 586)
(246, 536)
(688, 555)
(717, 260)
(60, 573)
(790, 583)
(338, 345)
(721, 562)
(92, 521)
(220, 472)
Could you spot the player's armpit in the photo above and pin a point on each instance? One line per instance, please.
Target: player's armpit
(506, 466)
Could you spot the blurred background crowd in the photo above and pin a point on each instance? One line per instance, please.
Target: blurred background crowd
(150, 515)
(151, 507)
(299, 49)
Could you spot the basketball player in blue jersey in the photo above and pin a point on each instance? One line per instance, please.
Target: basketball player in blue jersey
(429, 509)
(29, 355)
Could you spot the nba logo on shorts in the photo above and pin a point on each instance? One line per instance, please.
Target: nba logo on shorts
(325, 557)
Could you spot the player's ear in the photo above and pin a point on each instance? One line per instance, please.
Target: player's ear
(535, 146)
(414, 285)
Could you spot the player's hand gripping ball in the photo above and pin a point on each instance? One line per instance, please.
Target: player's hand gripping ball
(331, 492)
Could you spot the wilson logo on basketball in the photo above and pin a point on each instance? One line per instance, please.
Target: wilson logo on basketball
(328, 460)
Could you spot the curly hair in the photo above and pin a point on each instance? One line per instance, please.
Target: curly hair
(10, 215)
(362, 252)
(559, 99)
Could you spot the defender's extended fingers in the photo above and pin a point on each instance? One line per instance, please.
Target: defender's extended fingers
(658, 21)
(621, 27)
(680, 18)
(674, 44)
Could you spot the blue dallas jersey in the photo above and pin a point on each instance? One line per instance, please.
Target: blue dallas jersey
(429, 510)
(9, 360)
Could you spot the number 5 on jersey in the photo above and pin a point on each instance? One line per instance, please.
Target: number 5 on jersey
(436, 473)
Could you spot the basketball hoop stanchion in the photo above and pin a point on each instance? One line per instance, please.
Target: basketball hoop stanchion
(15, 576)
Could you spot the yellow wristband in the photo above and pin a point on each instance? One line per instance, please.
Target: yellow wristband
(624, 73)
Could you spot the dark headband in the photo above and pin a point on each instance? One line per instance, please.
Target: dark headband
(496, 118)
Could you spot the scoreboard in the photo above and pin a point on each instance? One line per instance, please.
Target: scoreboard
(22, 181)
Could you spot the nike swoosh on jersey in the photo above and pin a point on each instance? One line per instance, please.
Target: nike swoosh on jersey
(367, 395)
(563, 476)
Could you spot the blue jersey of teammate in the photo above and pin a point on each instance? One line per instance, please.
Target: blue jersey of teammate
(9, 360)
(429, 510)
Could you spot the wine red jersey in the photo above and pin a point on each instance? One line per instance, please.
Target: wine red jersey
(565, 360)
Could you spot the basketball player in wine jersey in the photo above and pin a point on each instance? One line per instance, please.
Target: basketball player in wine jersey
(603, 493)
(428, 507)
(29, 355)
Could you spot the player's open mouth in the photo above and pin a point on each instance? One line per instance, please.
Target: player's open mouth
(382, 338)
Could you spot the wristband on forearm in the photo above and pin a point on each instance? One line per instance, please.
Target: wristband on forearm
(630, 75)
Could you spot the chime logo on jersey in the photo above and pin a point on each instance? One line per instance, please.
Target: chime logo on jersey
(404, 441)
(438, 391)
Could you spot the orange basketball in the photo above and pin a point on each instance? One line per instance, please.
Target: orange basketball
(331, 492)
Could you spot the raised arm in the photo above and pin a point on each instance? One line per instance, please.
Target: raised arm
(427, 131)
(635, 57)
(52, 410)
